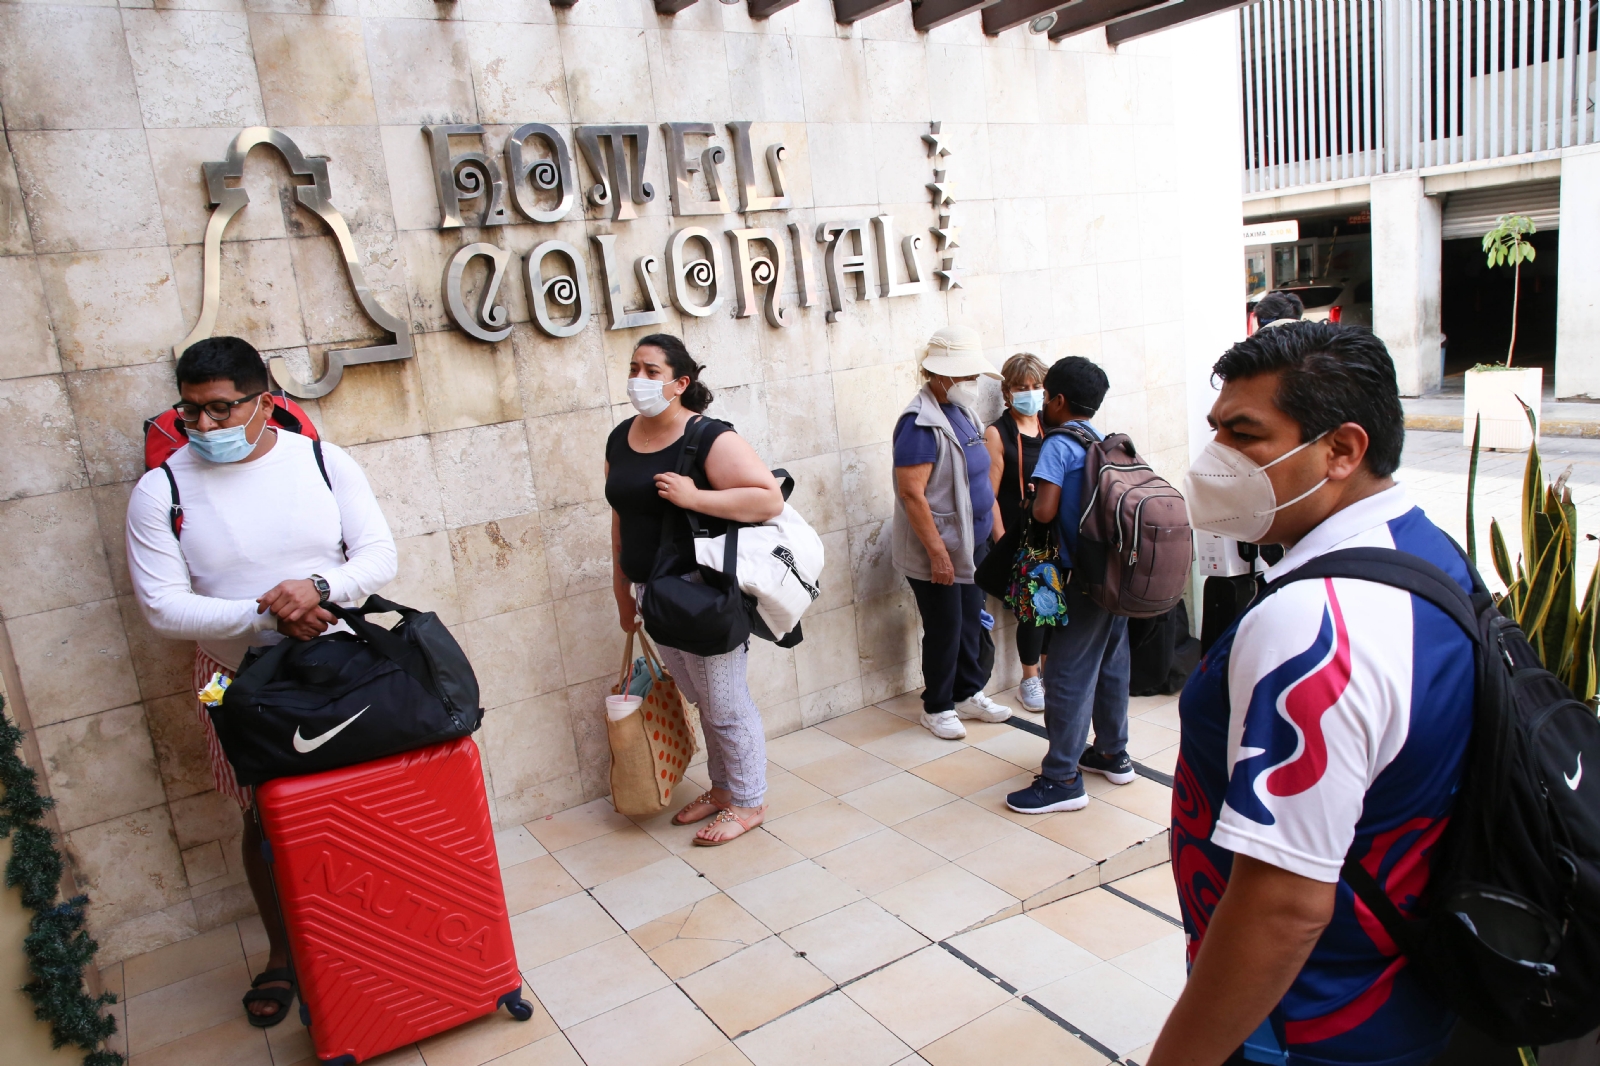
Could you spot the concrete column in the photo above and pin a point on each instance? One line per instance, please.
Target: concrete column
(1405, 279)
(1212, 241)
(1577, 294)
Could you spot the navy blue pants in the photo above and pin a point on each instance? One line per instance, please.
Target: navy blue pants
(951, 637)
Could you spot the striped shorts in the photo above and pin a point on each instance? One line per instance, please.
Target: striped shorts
(221, 769)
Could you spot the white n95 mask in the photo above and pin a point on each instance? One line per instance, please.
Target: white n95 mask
(964, 394)
(1229, 493)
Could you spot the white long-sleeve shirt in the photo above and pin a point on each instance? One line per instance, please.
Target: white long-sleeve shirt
(246, 527)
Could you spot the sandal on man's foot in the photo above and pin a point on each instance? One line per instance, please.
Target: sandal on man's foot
(703, 800)
(283, 997)
(724, 817)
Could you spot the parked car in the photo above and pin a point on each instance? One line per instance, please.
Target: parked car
(1331, 275)
(1348, 304)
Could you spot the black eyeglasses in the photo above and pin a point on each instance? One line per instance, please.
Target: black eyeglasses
(218, 410)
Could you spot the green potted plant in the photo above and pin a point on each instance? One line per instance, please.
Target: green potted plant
(1542, 581)
(1496, 392)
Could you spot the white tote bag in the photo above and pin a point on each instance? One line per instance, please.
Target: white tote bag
(780, 564)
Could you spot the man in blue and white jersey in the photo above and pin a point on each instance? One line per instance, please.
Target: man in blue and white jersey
(1332, 718)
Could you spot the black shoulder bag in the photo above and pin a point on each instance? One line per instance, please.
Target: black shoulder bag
(302, 706)
(694, 608)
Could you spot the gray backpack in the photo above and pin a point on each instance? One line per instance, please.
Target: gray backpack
(1134, 543)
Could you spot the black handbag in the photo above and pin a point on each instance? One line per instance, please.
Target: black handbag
(299, 707)
(993, 575)
(694, 608)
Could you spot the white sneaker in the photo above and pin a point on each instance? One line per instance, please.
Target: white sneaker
(982, 708)
(945, 725)
(1032, 693)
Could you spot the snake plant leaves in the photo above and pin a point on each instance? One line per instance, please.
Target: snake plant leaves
(1497, 551)
(1542, 598)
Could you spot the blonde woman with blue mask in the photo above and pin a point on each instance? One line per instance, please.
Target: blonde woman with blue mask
(1014, 440)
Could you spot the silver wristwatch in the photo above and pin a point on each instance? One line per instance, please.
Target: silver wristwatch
(320, 583)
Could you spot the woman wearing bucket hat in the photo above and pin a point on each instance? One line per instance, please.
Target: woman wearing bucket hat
(944, 512)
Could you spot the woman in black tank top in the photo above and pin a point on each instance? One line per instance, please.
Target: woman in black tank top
(1014, 440)
(642, 486)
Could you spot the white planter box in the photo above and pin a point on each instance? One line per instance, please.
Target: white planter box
(1493, 394)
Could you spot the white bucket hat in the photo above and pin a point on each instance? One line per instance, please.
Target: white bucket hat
(957, 352)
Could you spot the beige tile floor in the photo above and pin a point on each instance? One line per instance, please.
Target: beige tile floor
(891, 911)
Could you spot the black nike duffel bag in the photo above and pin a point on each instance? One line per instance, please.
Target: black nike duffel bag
(298, 707)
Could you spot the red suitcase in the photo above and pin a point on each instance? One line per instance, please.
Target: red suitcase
(390, 888)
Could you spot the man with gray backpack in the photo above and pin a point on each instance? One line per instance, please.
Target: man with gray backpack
(1086, 673)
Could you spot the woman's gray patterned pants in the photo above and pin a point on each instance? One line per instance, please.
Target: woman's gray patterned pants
(736, 743)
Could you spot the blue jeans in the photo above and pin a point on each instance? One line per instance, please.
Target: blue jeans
(1085, 679)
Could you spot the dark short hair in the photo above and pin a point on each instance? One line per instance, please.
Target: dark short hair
(1082, 382)
(697, 397)
(1276, 305)
(223, 359)
(1329, 375)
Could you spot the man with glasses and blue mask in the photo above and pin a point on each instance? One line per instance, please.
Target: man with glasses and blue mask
(1329, 721)
(236, 542)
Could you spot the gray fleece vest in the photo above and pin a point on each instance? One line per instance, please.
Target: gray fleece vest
(949, 498)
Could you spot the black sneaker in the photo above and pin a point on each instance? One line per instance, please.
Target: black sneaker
(1045, 796)
(1118, 768)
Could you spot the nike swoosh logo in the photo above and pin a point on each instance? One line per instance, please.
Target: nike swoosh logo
(1576, 776)
(305, 746)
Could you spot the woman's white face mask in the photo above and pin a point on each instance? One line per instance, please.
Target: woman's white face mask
(645, 395)
(1230, 494)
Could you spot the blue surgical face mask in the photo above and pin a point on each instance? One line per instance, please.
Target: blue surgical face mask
(1027, 401)
(227, 445)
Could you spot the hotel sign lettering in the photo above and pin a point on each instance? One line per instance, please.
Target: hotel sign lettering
(538, 182)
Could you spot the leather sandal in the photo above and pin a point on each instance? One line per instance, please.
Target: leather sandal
(704, 799)
(726, 815)
(283, 997)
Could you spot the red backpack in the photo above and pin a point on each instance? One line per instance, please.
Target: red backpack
(164, 435)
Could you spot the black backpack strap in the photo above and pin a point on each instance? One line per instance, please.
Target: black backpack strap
(175, 511)
(1413, 574)
(322, 467)
(689, 462)
(1369, 892)
(1397, 569)
(1077, 431)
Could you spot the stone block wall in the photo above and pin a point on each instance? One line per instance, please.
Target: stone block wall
(488, 457)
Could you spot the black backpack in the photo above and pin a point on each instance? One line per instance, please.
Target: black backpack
(299, 707)
(1508, 928)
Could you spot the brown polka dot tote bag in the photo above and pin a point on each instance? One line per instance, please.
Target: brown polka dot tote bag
(651, 730)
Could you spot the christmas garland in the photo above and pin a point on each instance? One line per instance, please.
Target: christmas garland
(57, 946)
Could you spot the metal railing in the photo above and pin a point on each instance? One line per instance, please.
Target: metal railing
(1342, 89)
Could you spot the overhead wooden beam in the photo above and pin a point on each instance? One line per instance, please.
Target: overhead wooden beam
(848, 11)
(926, 14)
(672, 7)
(1008, 13)
(1163, 18)
(1091, 14)
(761, 9)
